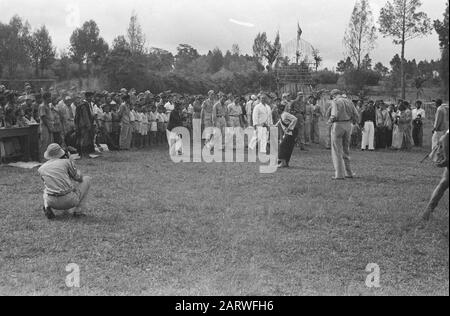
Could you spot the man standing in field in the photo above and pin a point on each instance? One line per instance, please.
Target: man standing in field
(418, 116)
(126, 129)
(298, 109)
(343, 114)
(206, 113)
(84, 126)
(249, 107)
(219, 120)
(316, 115)
(308, 119)
(262, 120)
(46, 125)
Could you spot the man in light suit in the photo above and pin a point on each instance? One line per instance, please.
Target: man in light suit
(343, 114)
(262, 120)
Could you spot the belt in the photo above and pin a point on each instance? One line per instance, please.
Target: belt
(342, 121)
(60, 194)
(234, 115)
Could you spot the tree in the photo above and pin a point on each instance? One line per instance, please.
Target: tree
(273, 51)
(136, 38)
(260, 46)
(366, 63)
(42, 50)
(86, 45)
(160, 59)
(216, 61)
(186, 54)
(346, 65)
(265, 51)
(401, 21)
(15, 44)
(360, 35)
(442, 28)
(120, 43)
(317, 58)
(381, 69)
(235, 50)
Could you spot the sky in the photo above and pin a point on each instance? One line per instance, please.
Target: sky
(206, 24)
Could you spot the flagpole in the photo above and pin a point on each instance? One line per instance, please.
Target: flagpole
(299, 34)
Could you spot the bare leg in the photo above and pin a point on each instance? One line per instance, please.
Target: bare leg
(437, 196)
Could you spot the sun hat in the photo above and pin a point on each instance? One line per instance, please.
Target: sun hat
(54, 151)
(335, 92)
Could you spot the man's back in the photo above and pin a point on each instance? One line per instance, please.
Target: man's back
(57, 175)
(343, 110)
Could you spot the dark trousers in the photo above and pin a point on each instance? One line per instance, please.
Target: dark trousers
(57, 138)
(418, 135)
(287, 146)
(381, 137)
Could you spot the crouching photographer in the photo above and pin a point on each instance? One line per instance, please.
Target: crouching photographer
(59, 174)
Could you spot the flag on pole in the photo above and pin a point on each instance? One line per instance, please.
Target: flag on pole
(299, 31)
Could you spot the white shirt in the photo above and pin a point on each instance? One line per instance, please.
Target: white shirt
(169, 107)
(417, 112)
(262, 114)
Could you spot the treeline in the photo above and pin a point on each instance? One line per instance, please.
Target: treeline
(130, 62)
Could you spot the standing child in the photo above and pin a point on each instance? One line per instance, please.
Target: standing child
(133, 126)
(115, 126)
(144, 127)
(138, 125)
(161, 125)
(153, 121)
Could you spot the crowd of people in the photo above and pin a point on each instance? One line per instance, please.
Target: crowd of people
(127, 120)
(396, 126)
(82, 122)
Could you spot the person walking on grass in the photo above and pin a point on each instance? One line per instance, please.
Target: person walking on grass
(443, 185)
(343, 114)
(59, 174)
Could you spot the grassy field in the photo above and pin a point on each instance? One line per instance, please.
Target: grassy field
(224, 229)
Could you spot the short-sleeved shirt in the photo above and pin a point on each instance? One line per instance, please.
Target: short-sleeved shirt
(234, 109)
(208, 106)
(343, 110)
(297, 108)
(57, 175)
(124, 114)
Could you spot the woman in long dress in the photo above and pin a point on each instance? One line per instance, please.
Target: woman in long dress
(397, 136)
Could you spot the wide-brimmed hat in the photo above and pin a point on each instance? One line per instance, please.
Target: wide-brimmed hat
(335, 92)
(54, 151)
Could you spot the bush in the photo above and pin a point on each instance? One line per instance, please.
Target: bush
(358, 79)
(325, 77)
